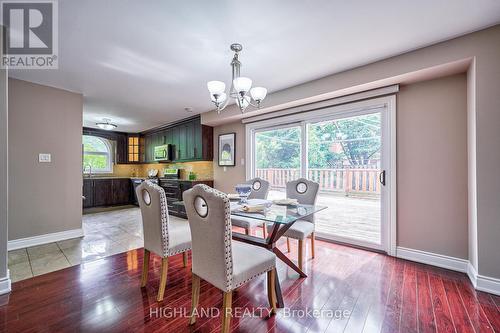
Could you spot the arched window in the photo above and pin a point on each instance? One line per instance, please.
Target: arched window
(97, 154)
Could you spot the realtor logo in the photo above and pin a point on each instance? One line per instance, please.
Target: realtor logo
(30, 39)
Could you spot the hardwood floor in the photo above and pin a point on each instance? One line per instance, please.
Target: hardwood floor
(378, 293)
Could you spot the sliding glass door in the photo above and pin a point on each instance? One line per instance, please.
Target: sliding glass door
(278, 152)
(347, 153)
(344, 157)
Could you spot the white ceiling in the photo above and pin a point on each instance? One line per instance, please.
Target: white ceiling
(140, 63)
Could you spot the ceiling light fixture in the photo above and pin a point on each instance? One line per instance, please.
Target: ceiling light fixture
(106, 125)
(241, 88)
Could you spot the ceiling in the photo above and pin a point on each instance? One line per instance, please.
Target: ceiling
(140, 63)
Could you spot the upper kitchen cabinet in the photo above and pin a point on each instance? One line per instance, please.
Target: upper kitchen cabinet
(190, 141)
(135, 148)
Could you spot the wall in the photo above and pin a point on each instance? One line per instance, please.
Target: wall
(432, 166)
(226, 178)
(4, 278)
(483, 49)
(44, 197)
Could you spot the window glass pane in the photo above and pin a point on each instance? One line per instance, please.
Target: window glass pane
(136, 149)
(130, 141)
(93, 143)
(96, 154)
(278, 157)
(97, 162)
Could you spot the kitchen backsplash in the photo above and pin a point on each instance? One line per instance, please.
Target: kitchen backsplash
(204, 170)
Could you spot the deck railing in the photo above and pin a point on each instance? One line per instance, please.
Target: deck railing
(362, 179)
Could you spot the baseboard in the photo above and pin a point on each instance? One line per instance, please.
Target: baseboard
(439, 260)
(483, 283)
(5, 284)
(480, 282)
(44, 239)
(472, 274)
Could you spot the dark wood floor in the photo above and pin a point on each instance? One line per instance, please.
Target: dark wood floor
(382, 294)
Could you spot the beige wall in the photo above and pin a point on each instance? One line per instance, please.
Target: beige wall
(432, 166)
(483, 49)
(44, 197)
(226, 178)
(4, 283)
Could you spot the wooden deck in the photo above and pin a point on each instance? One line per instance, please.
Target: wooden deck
(350, 217)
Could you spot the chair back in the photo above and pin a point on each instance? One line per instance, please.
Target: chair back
(154, 211)
(209, 215)
(305, 191)
(260, 188)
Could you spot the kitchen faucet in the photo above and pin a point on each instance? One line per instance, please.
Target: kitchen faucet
(90, 170)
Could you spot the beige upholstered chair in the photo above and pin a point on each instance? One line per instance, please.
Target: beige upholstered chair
(161, 236)
(217, 259)
(260, 189)
(306, 192)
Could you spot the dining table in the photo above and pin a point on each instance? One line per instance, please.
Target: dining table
(279, 218)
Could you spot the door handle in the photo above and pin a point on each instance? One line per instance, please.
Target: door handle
(381, 177)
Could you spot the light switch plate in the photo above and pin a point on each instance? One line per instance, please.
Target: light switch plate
(242, 161)
(44, 158)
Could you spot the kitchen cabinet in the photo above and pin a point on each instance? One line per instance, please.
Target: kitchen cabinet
(190, 140)
(106, 192)
(173, 191)
(103, 193)
(120, 189)
(88, 193)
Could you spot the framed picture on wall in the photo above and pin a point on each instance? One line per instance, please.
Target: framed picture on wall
(227, 149)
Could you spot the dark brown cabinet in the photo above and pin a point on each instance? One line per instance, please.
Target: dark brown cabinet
(190, 141)
(88, 193)
(106, 192)
(103, 195)
(173, 191)
(120, 191)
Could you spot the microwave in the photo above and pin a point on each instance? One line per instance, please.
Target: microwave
(163, 153)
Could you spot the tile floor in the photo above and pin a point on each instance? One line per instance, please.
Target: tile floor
(106, 233)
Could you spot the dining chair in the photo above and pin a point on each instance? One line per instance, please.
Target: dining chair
(162, 236)
(260, 189)
(306, 193)
(216, 258)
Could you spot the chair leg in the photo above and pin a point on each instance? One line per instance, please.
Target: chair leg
(264, 230)
(145, 268)
(226, 314)
(185, 258)
(271, 289)
(163, 279)
(301, 253)
(288, 244)
(247, 231)
(195, 298)
(312, 245)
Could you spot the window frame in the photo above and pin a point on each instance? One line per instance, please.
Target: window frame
(109, 154)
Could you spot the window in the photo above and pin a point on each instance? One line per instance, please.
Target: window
(97, 154)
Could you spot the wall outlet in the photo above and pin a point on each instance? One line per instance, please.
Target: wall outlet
(44, 158)
(224, 168)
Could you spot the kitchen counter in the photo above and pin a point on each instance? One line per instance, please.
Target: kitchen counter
(144, 178)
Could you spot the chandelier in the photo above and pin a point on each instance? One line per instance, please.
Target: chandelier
(240, 89)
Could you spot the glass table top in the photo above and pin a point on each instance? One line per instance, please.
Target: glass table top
(273, 213)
